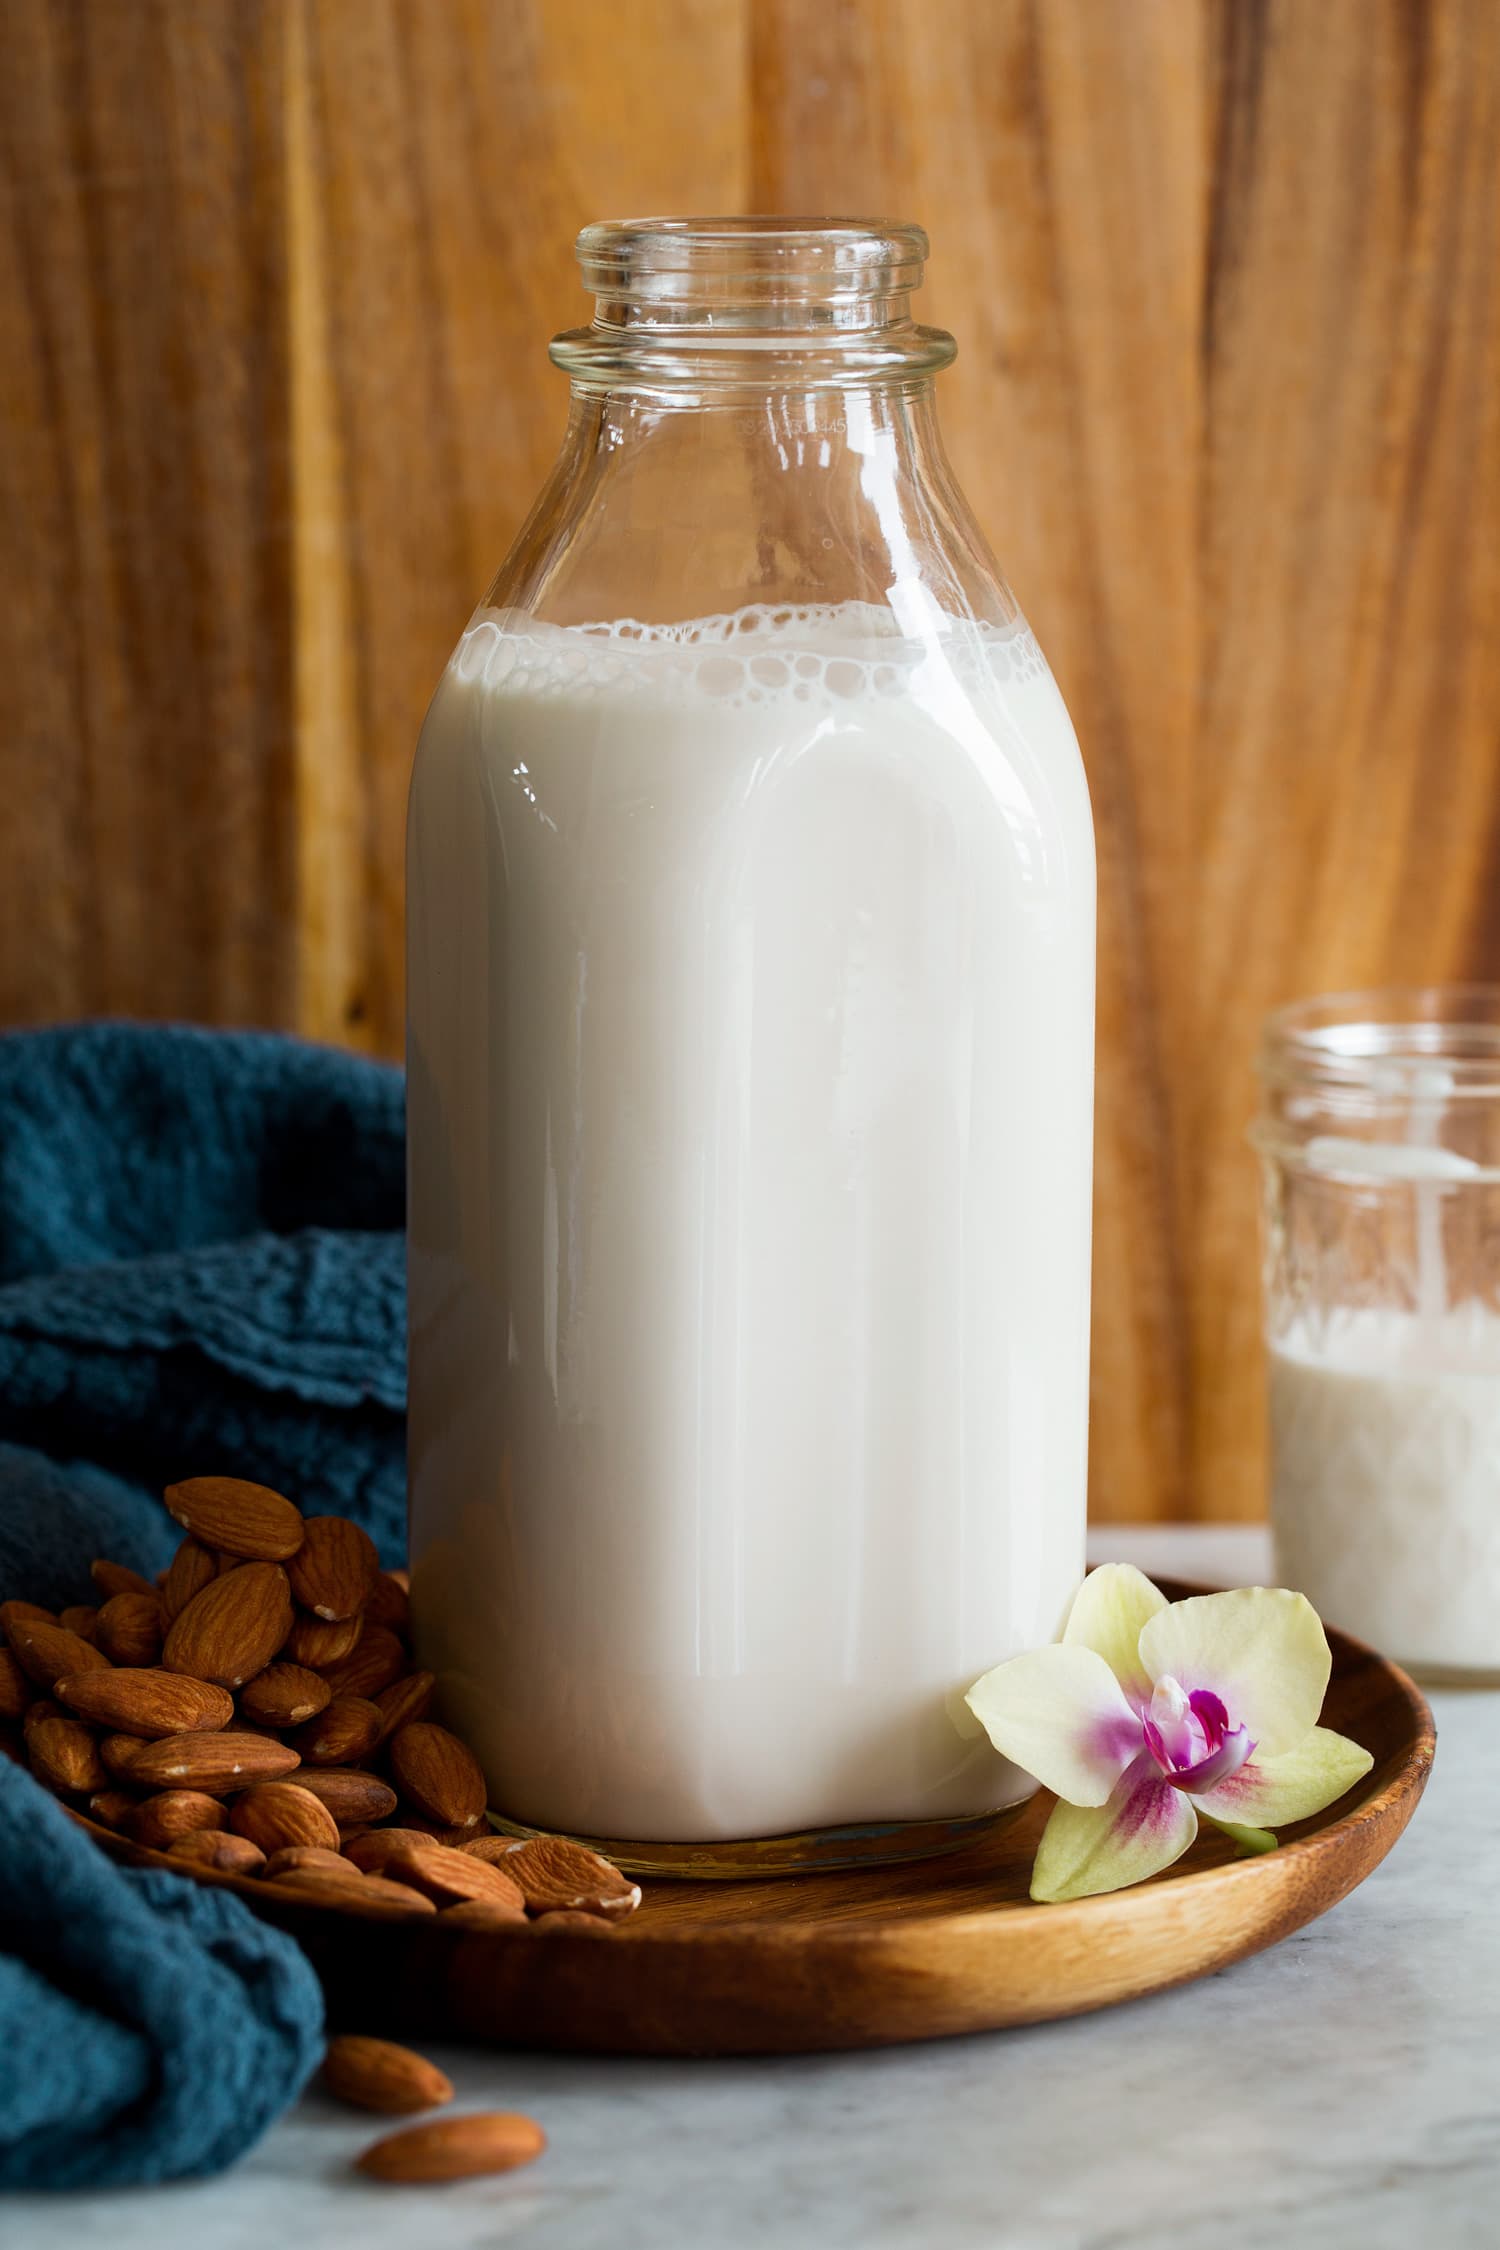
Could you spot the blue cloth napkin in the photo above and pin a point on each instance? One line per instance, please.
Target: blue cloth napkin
(201, 1271)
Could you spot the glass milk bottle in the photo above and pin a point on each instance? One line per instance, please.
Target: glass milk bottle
(751, 966)
(1380, 1147)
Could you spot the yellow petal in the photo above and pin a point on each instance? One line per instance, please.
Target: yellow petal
(1109, 1611)
(1058, 1713)
(1272, 1792)
(1261, 1650)
(1086, 1849)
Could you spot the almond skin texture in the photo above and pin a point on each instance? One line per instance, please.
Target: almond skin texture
(274, 1814)
(319, 1645)
(370, 1852)
(454, 2148)
(15, 1689)
(351, 1796)
(296, 1859)
(65, 1757)
(238, 1518)
(340, 1736)
(451, 1878)
(389, 1604)
(368, 1894)
(558, 1877)
(334, 1569)
(284, 1695)
(218, 1764)
(172, 1813)
(82, 1619)
(112, 1808)
(190, 1570)
(496, 1850)
(131, 1628)
(113, 1578)
(233, 1628)
(49, 1653)
(377, 1661)
(377, 2074)
(216, 1848)
(404, 1702)
(119, 1752)
(146, 1702)
(438, 1774)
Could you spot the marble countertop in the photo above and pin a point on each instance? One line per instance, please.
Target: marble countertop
(1341, 2092)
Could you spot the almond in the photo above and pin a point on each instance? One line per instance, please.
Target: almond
(233, 1628)
(145, 1701)
(496, 1850)
(65, 1757)
(574, 1918)
(242, 1519)
(335, 1567)
(224, 1563)
(42, 1708)
(215, 1848)
(190, 1570)
(341, 1735)
(377, 1661)
(218, 1764)
(161, 1819)
(49, 1653)
(292, 1859)
(82, 1619)
(377, 2074)
(10, 1612)
(437, 1832)
(131, 1627)
(379, 1900)
(118, 1752)
(490, 1914)
(449, 1878)
(404, 1702)
(558, 1877)
(389, 1604)
(351, 1795)
(284, 1695)
(112, 1808)
(370, 1852)
(439, 1774)
(316, 1644)
(113, 1578)
(15, 1689)
(454, 2148)
(276, 1813)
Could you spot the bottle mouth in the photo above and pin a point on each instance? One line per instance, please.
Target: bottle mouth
(1386, 1044)
(740, 262)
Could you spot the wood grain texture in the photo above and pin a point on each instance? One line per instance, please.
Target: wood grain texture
(867, 1957)
(277, 276)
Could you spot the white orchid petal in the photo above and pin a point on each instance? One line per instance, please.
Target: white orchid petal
(1058, 1713)
(1109, 1611)
(1261, 1650)
(1272, 1792)
(1144, 1827)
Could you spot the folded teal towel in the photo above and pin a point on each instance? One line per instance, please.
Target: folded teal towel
(201, 1271)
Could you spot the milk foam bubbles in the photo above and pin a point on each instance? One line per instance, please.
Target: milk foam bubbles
(750, 1076)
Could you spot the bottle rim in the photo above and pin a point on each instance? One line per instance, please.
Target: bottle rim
(706, 259)
(1384, 1042)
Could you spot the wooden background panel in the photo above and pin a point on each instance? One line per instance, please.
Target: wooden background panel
(277, 279)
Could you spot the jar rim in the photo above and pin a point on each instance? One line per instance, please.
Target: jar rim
(1382, 1039)
(677, 258)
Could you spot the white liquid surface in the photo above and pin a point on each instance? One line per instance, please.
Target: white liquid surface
(1386, 1481)
(751, 1021)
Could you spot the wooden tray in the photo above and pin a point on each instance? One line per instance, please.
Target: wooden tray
(817, 1962)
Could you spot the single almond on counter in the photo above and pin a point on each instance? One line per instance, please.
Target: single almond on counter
(65, 1757)
(293, 1859)
(217, 1848)
(233, 1628)
(190, 1570)
(450, 1878)
(341, 1735)
(240, 1518)
(377, 2074)
(276, 1813)
(454, 2148)
(334, 1569)
(83, 1619)
(351, 1795)
(404, 1702)
(317, 1644)
(49, 1653)
(378, 1659)
(558, 1877)
(389, 1604)
(218, 1764)
(15, 1689)
(112, 1808)
(284, 1695)
(113, 1578)
(146, 1701)
(439, 1774)
(158, 1821)
(131, 1626)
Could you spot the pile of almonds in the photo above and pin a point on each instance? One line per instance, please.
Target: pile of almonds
(258, 1713)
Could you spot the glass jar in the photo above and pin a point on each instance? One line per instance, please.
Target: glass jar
(751, 934)
(1380, 1148)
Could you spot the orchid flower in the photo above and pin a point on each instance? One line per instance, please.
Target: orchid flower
(1149, 1712)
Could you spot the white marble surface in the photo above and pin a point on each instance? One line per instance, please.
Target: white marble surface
(1341, 2092)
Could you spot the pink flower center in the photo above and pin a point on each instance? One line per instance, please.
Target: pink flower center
(1191, 1739)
